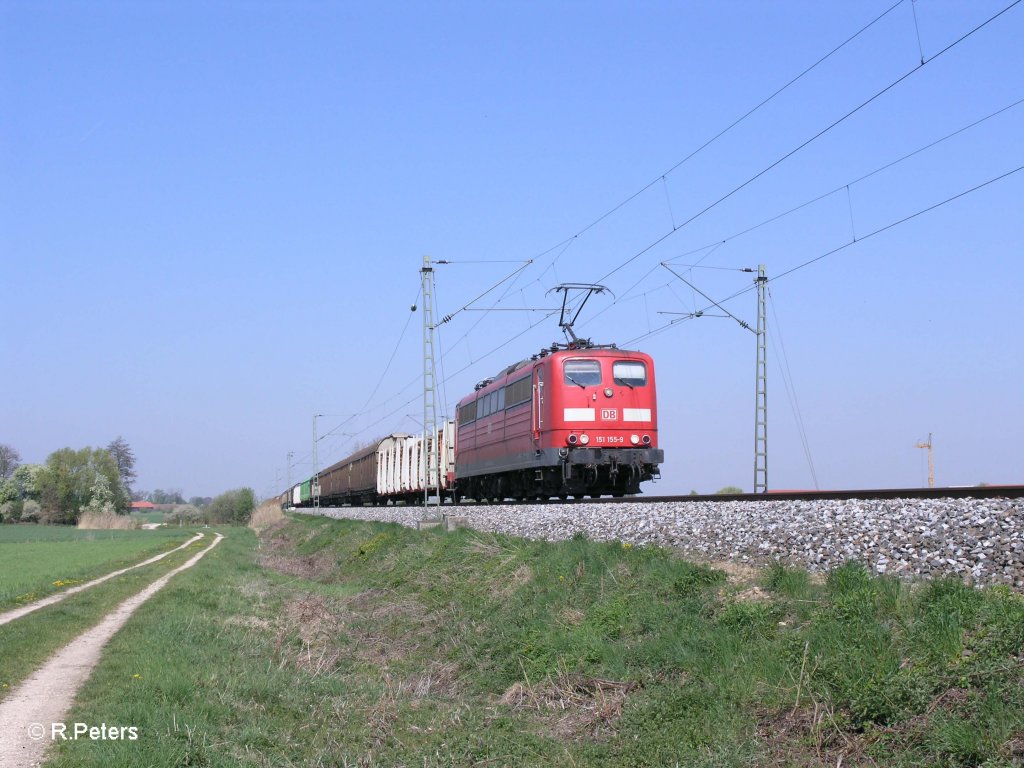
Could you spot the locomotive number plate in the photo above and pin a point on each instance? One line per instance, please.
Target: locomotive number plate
(610, 439)
(609, 414)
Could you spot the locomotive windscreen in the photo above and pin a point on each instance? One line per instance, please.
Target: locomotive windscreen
(632, 373)
(585, 373)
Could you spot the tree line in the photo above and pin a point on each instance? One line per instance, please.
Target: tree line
(97, 480)
(68, 484)
(171, 496)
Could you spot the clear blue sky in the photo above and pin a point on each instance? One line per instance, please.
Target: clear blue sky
(212, 218)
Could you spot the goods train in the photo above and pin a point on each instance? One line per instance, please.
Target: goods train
(574, 420)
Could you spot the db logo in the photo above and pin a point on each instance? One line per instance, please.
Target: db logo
(609, 414)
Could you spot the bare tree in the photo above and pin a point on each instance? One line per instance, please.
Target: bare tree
(10, 459)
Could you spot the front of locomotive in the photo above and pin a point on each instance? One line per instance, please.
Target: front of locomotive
(604, 420)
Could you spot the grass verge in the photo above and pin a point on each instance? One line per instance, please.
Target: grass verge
(340, 643)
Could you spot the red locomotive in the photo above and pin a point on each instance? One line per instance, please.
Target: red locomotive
(574, 420)
(578, 421)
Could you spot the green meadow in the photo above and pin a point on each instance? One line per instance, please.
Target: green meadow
(38, 560)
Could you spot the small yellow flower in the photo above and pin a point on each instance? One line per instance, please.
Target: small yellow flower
(561, 578)
(136, 676)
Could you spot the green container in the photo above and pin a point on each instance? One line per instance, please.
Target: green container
(304, 493)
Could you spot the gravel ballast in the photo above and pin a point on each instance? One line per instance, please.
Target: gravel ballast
(981, 540)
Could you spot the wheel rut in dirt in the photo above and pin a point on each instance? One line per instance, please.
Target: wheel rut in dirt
(28, 713)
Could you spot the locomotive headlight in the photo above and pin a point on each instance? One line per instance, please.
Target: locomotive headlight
(634, 439)
(584, 439)
(608, 392)
(572, 439)
(647, 439)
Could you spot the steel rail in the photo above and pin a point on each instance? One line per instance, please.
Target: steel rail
(956, 492)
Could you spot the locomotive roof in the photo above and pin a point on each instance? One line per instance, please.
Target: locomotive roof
(545, 353)
(561, 351)
(513, 368)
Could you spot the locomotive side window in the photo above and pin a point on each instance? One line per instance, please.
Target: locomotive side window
(582, 373)
(517, 392)
(632, 373)
(467, 413)
(491, 403)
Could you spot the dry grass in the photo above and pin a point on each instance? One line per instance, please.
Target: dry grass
(103, 522)
(372, 631)
(808, 737)
(575, 706)
(312, 621)
(309, 567)
(265, 515)
(387, 630)
(753, 594)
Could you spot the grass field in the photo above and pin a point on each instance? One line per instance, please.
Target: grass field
(37, 560)
(341, 643)
(28, 641)
(149, 517)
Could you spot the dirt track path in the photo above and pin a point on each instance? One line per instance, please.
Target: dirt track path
(17, 613)
(45, 698)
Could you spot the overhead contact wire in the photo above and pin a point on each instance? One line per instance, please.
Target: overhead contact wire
(834, 251)
(791, 394)
(838, 189)
(725, 130)
(812, 139)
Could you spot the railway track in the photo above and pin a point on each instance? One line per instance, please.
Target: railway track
(957, 492)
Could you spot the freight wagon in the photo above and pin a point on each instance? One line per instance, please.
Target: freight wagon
(390, 469)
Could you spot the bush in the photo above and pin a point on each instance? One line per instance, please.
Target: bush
(184, 514)
(31, 512)
(232, 507)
